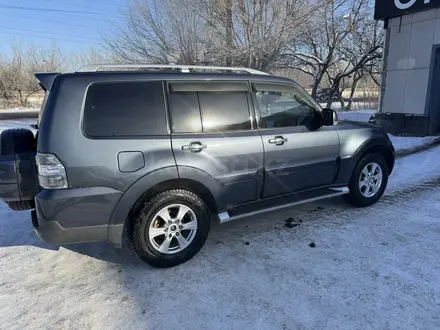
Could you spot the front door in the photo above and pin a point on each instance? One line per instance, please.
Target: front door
(299, 153)
(214, 141)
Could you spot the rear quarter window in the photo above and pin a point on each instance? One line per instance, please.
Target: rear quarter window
(125, 109)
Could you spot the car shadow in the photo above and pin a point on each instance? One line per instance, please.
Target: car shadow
(221, 233)
(17, 230)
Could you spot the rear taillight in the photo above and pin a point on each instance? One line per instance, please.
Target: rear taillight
(51, 172)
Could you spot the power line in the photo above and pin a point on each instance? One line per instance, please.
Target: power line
(57, 22)
(51, 38)
(105, 2)
(76, 17)
(75, 5)
(50, 33)
(54, 10)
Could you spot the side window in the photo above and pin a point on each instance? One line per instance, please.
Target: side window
(224, 111)
(209, 111)
(284, 106)
(185, 112)
(125, 109)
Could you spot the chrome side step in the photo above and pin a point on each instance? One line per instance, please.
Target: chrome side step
(224, 216)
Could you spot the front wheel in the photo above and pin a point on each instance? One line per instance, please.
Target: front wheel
(368, 181)
(171, 228)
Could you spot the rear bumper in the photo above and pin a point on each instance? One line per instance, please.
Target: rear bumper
(74, 215)
(53, 232)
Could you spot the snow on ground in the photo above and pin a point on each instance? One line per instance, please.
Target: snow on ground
(400, 143)
(359, 115)
(408, 142)
(18, 123)
(373, 268)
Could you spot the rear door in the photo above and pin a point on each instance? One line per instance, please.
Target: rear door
(299, 153)
(213, 135)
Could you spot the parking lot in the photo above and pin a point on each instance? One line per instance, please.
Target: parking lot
(324, 265)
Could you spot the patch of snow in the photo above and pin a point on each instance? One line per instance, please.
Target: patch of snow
(400, 143)
(359, 115)
(18, 123)
(408, 142)
(410, 170)
(372, 268)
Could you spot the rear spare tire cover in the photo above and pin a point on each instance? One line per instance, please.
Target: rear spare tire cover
(16, 141)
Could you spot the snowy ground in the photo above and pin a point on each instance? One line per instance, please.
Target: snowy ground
(374, 268)
(400, 143)
(358, 115)
(17, 123)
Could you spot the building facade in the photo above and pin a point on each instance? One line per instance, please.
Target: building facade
(410, 95)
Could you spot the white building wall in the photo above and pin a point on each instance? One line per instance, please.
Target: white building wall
(411, 40)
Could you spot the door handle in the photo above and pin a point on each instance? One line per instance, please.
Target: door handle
(278, 140)
(194, 147)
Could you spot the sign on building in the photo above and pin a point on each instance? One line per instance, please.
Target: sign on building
(393, 8)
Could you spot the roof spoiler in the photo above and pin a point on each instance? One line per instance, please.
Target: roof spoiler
(46, 79)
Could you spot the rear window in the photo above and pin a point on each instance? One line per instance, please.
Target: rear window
(125, 109)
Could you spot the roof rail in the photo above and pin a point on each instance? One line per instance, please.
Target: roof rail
(181, 68)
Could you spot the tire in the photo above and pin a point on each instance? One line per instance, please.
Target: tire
(16, 141)
(21, 205)
(357, 197)
(148, 220)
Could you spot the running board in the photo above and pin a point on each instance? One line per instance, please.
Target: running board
(321, 194)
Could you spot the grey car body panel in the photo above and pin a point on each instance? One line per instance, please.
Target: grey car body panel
(46, 79)
(80, 207)
(123, 207)
(355, 140)
(233, 160)
(307, 159)
(107, 176)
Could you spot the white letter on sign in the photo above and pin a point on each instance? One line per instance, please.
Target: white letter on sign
(401, 5)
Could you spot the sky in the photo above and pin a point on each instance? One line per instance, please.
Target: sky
(74, 25)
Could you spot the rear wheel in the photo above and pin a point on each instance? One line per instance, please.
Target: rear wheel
(171, 228)
(368, 181)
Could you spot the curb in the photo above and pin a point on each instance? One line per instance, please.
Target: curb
(407, 152)
(21, 114)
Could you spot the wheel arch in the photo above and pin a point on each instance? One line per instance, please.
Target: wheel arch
(375, 145)
(143, 190)
(380, 149)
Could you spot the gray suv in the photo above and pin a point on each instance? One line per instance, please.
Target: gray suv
(153, 151)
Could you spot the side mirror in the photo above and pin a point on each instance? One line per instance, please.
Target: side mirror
(329, 117)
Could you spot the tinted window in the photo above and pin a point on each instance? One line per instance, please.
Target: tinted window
(185, 113)
(222, 112)
(279, 107)
(125, 109)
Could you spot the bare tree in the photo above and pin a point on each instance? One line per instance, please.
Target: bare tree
(253, 33)
(159, 31)
(249, 33)
(92, 56)
(17, 80)
(359, 51)
(317, 49)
